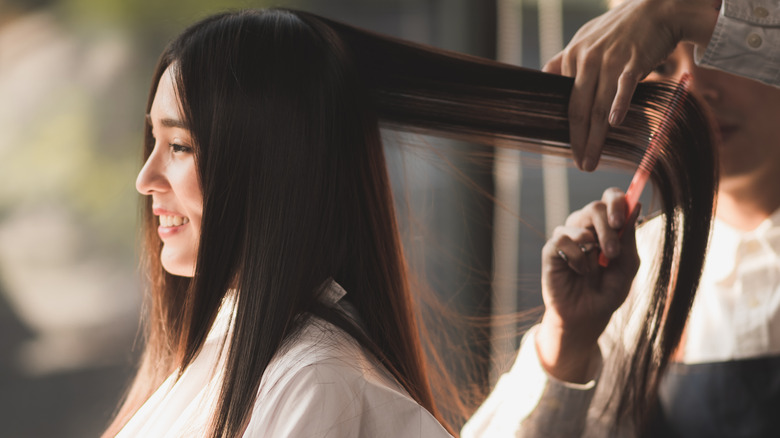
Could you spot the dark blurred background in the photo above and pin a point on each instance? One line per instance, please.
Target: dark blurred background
(74, 78)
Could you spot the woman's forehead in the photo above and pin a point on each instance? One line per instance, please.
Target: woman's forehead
(166, 106)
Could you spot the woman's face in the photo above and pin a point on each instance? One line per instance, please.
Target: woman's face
(746, 113)
(169, 176)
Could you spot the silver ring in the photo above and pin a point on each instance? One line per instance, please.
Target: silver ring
(563, 256)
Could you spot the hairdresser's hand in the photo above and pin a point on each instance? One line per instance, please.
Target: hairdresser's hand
(609, 55)
(580, 295)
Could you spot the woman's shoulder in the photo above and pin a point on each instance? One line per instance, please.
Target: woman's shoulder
(320, 350)
(323, 383)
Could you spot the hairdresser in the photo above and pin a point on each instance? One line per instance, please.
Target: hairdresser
(724, 379)
(610, 54)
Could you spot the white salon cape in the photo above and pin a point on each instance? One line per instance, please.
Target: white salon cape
(322, 384)
(735, 315)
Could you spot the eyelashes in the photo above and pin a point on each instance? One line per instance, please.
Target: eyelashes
(180, 148)
(175, 147)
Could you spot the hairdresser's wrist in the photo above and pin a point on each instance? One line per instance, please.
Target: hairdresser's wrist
(569, 354)
(694, 20)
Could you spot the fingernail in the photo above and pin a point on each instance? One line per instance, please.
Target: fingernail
(586, 164)
(617, 221)
(613, 118)
(589, 164)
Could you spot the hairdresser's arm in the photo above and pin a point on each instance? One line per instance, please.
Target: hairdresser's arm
(549, 389)
(746, 41)
(527, 402)
(579, 295)
(609, 55)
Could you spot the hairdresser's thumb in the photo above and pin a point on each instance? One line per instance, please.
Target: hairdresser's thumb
(628, 250)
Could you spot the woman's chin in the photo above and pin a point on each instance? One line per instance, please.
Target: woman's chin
(176, 266)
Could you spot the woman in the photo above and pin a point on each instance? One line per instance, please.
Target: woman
(279, 302)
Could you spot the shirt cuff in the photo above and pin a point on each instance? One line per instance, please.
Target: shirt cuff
(745, 41)
(528, 402)
(563, 406)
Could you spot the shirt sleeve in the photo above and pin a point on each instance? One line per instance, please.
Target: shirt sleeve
(745, 41)
(527, 402)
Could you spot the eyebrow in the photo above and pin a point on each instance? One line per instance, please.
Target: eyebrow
(168, 123)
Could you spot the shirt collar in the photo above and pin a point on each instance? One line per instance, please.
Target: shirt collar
(723, 253)
(332, 294)
(770, 232)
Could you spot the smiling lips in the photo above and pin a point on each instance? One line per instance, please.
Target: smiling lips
(170, 224)
(172, 221)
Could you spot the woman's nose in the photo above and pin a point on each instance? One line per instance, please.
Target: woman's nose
(151, 178)
(706, 83)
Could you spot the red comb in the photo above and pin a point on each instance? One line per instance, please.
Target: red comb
(642, 174)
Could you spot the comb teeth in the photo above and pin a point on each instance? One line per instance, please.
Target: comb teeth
(660, 136)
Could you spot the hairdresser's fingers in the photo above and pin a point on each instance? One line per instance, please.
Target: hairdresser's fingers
(580, 105)
(583, 218)
(617, 207)
(554, 65)
(571, 246)
(568, 63)
(626, 85)
(619, 275)
(594, 216)
(599, 114)
(630, 259)
(609, 241)
(609, 238)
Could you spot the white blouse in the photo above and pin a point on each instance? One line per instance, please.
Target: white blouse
(322, 384)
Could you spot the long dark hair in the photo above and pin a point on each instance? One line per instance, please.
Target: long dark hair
(284, 109)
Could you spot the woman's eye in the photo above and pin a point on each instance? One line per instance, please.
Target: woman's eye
(179, 148)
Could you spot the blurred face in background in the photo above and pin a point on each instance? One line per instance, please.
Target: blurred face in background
(170, 177)
(747, 113)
